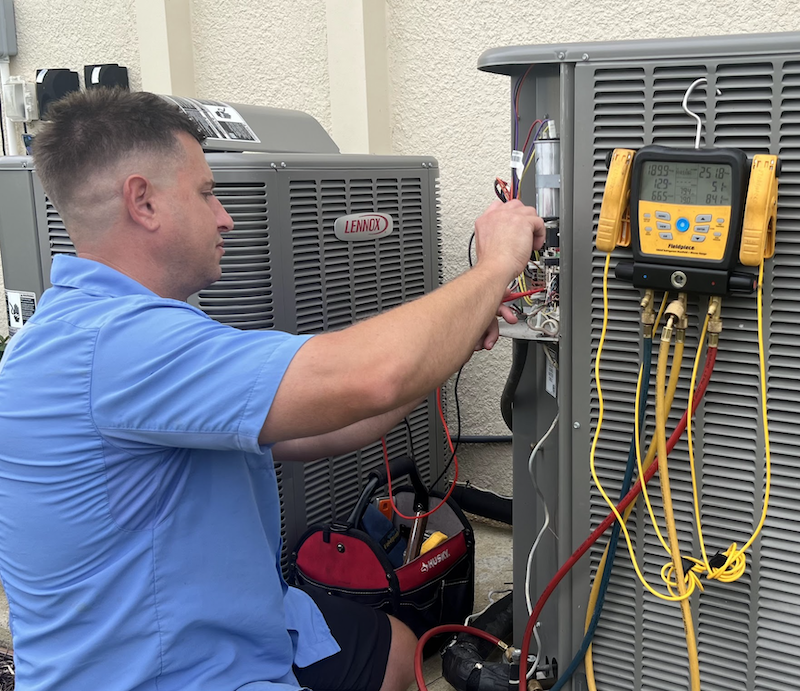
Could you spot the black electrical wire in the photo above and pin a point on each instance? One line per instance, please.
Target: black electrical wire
(2, 129)
(458, 433)
(469, 248)
(410, 437)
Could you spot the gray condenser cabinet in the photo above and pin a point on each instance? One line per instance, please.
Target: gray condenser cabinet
(628, 94)
(285, 269)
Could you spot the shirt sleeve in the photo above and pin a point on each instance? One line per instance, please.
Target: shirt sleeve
(170, 375)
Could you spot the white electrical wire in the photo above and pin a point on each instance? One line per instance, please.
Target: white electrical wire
(545, 526)
(468, 620)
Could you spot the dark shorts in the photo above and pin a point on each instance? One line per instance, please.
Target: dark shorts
(364, 636)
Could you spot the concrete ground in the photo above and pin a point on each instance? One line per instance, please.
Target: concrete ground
(492, 572)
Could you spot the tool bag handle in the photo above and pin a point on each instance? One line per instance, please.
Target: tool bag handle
(404, 465)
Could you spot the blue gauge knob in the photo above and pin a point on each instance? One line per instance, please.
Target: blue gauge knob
(682, 224)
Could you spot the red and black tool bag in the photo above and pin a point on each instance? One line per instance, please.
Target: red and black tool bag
(435, 588)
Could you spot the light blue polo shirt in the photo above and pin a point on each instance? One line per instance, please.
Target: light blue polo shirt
(139, 517)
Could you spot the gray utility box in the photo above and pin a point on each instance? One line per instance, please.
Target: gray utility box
(628, 94)
(285, 269)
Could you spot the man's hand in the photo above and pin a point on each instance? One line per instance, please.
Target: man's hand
(507, 234)
(492, 333)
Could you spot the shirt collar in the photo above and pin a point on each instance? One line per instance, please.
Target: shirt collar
(93, 277)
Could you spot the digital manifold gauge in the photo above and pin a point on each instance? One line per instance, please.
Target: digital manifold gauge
(689, 212)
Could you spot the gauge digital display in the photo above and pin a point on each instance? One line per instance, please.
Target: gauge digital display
(701, 184)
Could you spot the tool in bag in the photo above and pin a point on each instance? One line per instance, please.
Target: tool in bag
(433, 584)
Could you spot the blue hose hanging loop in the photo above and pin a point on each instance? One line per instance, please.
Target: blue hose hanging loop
(647, 352)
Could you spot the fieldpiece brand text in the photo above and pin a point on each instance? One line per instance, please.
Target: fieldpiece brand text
(367, 226)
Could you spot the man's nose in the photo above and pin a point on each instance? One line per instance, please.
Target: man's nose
(224, 220)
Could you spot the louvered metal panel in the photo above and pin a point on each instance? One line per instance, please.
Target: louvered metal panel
(58, 240)
(244, 295)
(338, 283)
(738, 624)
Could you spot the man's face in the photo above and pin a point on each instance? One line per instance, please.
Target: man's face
(194, 222)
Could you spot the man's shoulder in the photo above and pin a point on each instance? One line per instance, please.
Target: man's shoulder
(88, 311)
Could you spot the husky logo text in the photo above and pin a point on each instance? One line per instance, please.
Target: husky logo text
(425, 566)
(363, 226)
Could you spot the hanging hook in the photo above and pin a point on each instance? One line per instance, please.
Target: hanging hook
(685, 105)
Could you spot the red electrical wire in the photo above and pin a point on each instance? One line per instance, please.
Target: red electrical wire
(516, 296)
(530, 132)
(455, 467)
(446, 628)
(711, 357)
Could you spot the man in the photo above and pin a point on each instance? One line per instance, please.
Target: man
(139, 515)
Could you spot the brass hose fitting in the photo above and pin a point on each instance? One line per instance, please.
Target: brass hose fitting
(715, 322)
(666, 332)
(648, 313)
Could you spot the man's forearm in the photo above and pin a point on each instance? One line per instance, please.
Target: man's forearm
(341, 441)
(385, 362)
(394, 358)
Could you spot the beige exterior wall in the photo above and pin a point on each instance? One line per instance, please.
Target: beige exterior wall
(266, 52)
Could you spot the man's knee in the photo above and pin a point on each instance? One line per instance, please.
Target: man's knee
(400, 665)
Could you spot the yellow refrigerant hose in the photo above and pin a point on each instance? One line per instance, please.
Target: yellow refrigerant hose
(669, 516)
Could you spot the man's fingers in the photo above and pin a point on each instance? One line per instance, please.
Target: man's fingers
(507, 313)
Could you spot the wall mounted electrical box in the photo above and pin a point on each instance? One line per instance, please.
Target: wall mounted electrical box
(8, 30)
(52, 85)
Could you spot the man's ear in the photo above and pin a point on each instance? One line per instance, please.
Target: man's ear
(137, 194)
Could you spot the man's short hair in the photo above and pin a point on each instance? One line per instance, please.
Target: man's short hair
(93, 130)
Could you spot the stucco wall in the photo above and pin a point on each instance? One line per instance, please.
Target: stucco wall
(271, 53)
(74, 33)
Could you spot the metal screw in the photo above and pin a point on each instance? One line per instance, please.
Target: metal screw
(273, 165)
(576, 425)
(585, 56)
(561, 55)
(340, 547)
(283, 165)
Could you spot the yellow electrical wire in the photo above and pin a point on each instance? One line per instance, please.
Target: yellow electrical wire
(530, 160)
(524, 171)
(735, 562)
(669, 597)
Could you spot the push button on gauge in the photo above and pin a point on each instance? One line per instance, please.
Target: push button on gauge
(682, 224)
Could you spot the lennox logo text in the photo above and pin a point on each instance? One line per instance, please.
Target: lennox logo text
(365, 226)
